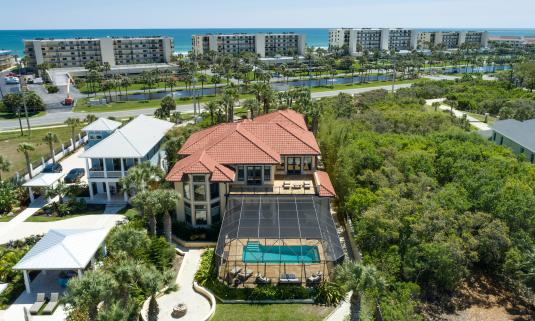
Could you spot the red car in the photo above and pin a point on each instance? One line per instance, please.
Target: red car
(11, 74)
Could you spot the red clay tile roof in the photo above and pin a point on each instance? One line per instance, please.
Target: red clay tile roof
(285, 116)
(325, 187)
(201, 163)
(259, 141)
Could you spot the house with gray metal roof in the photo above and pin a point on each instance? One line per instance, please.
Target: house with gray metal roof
(108, 160)
(517, 135)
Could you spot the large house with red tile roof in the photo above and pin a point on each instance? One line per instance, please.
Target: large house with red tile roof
(274, 154)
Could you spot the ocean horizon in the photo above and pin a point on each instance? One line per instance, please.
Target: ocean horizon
(315, 37)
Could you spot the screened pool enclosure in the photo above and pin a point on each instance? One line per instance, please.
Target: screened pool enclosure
(277, 239)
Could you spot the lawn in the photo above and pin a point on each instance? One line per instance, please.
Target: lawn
(10, 140)
(41, 217)
(270, 312)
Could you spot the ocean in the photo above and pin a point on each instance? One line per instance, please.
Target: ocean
(316, 37)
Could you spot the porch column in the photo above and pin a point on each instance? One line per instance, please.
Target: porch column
(91, 193)
(26, 281)
(104, 250)
(80, 273)
(108, 194)
(105, 168)
(32, 198)
(122, 175)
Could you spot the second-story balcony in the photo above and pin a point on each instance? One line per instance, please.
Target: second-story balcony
(282, 185)
(97, 172)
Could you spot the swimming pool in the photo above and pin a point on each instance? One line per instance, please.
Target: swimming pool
(254, 252)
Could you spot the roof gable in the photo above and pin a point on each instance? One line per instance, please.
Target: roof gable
(102, 124)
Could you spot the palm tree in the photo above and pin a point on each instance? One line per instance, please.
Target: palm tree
(125, 83)
(90, 118)
(216, 79)
(50, 139)
(166, 201)
(141, 178)
(175, 117)
(230, 96)
(73, 123)
(5, 165)
(252, 106)
(26, 148)
(212, 106)
(59, 190)
(361, 279)
(202, 79)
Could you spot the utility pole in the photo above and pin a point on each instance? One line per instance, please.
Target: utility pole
(394, 73)
(22, 85)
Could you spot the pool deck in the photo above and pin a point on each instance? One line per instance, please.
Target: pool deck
(234, 258)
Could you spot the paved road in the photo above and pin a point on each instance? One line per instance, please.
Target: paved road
(59, 116)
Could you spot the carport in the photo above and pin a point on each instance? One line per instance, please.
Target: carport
(43, 180)
(63, 250)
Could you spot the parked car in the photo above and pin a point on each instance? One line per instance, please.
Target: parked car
(74, 175)
(52, 168)
(12, 80)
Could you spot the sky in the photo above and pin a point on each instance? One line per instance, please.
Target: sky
(142, 14)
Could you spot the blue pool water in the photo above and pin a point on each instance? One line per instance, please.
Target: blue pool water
(254, 252)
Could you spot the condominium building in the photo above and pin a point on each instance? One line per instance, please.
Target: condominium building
(358, 40)
(75, 52)
(6, 59)
(511, 41)
(263, 44)
(452, 39)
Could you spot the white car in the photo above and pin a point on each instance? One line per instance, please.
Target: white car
(12, 80)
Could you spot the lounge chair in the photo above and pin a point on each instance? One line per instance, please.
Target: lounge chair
(307, 185)
(235, 270)
(286, 185)
(289, 279)
(313, 279)
(260, 279)
(38, 304)
(52, 304)
(296, 186)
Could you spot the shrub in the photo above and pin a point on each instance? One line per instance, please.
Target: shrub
(51, 89)
(328, 293)
(160, 253)
(206, 268)
(8, 197)
(13, 102)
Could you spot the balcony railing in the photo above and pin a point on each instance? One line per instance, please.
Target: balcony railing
(292, 189)
(99, 173)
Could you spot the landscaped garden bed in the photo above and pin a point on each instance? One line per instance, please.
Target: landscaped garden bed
(69, 209)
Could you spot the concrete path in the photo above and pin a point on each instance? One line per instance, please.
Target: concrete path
(459, 114)
(198, 306)
(59, 116)
(342, 310)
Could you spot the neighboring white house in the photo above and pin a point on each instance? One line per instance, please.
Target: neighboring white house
(108, 160)
(99, 129)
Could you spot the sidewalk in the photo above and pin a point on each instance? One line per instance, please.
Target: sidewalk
(198, 306)
(459, 114)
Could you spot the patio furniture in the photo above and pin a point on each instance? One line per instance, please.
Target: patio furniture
(52, 304)
(260, 279)
(296, 186)
(243, 276)
(286, 185)
(235, 270)
(289, 278)
(314, 279)
(307, 185)
(179, 311)
(38, 304)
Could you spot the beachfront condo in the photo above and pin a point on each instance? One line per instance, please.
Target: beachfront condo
(263, 44)
(116, 51)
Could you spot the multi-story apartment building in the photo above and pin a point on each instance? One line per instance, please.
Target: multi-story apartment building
(452, 39)
(75, 52)
(112, 150)
(263, 44)
(6, 59)
(512, 41)
(272, 155)
(358, 40)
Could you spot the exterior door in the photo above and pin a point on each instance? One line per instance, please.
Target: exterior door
(254, 175)
(294, 165)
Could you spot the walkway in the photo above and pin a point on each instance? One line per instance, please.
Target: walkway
(342, 310)
(198, 306)
(459, 114)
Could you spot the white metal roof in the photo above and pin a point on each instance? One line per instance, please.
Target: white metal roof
(68, 249)
(102, 124)
(523, 133)
(44, 180)
(133, 140)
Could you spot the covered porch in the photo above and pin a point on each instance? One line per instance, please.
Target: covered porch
(60, 255)
(43, 180)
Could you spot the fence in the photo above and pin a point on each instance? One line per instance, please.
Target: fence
(37, 167)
